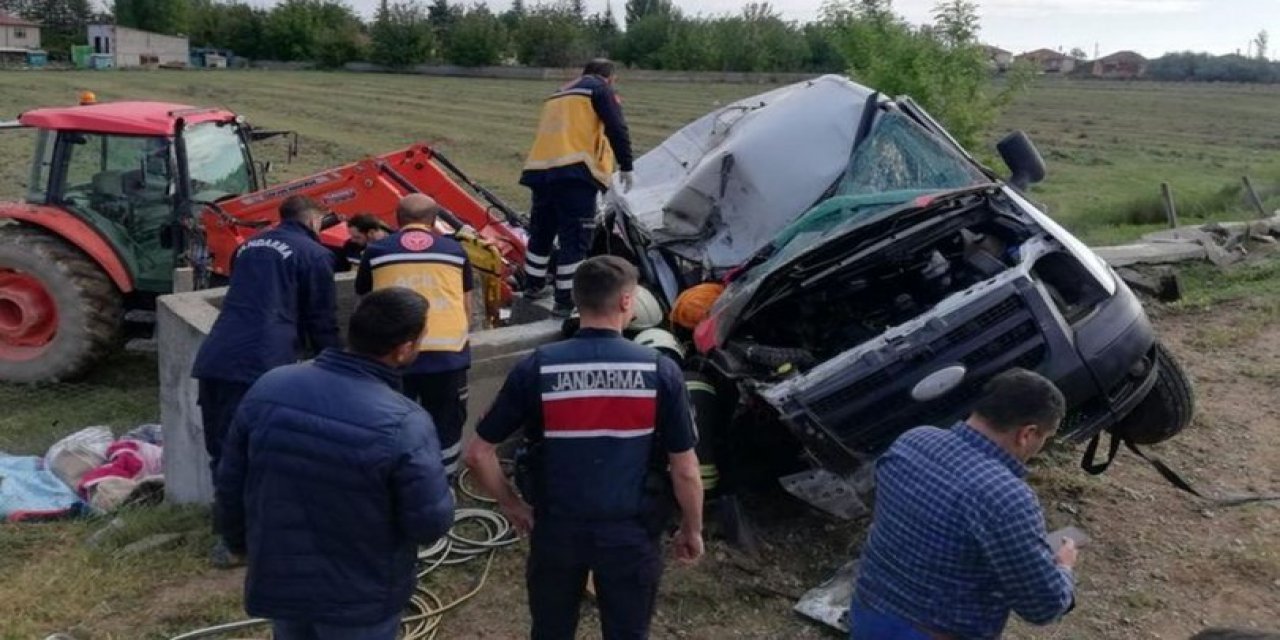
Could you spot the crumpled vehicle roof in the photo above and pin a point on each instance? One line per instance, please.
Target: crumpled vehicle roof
(722, 187)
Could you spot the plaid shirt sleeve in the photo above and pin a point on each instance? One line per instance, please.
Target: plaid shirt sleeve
(1011, 534)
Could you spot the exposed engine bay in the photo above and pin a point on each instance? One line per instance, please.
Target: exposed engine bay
(856, 287)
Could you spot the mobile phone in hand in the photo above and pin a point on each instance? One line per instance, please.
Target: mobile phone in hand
(1074, 534)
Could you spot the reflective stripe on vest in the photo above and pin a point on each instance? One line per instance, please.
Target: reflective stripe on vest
(569, 133)
(599, 399)
(436, 276)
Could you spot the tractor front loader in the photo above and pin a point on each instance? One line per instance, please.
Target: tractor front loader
(120, 194)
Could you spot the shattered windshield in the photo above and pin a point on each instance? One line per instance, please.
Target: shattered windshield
(897, 162)
(899, 155)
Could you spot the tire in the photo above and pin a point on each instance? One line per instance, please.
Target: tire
(1167, 409)
(39, 273)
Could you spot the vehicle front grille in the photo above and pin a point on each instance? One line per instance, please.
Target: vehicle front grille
(868, 406)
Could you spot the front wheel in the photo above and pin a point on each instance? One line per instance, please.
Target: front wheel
(1167, 409)
(59, 313)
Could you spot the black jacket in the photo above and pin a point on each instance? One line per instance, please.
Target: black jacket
(331, 479)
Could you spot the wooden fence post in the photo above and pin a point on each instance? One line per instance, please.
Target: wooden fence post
(1253, 197)
(1170, 211)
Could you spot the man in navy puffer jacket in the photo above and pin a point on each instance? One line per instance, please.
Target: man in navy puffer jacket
(331, 479)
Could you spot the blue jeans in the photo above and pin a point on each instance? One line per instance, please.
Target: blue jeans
(866, 623)
(288, 630)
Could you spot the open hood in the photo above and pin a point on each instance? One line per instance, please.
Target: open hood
(722, 187)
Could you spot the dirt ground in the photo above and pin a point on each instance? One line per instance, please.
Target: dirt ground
(1162, 564)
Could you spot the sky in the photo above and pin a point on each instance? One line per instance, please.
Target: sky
(1150, 27)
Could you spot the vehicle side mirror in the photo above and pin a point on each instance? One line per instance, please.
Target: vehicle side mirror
(1023, 159)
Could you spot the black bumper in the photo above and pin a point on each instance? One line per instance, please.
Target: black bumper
(1102, 364)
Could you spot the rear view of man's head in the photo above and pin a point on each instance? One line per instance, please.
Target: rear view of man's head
(387, 325)
(303, 210)
(604, 289)
(1021, 408)
(417, 208)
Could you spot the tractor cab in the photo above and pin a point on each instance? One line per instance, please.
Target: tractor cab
(134, 172)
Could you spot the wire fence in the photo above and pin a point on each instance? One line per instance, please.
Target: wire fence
(121, 392)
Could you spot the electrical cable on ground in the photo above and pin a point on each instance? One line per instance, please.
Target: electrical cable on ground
(426, 609)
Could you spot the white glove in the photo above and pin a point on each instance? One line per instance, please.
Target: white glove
(626, 179)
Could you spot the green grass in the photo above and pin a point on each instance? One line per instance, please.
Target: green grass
(1205, 285)
(1109, 145)
(122, 394)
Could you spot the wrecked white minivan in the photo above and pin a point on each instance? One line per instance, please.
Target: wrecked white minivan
(877, 276)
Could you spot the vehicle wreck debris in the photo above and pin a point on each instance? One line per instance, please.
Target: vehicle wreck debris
(875, 277)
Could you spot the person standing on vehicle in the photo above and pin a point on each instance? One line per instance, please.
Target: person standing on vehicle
(436, 266)
(330, 498)
(581, 136)
(958, 538)
(603, 418)
(281, 302)
(364, 229)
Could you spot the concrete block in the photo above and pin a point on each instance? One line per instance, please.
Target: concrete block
(1151, 253)
(184, 319)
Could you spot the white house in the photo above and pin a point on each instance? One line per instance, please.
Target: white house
(16, 33)
(134, 48)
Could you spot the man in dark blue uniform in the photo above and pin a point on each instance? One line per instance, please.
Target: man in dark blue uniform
(582, 139)
(602, 417)
(281, 302)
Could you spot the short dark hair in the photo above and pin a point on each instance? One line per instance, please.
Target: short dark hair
(386, 319)
(366, 222)
(602, 67)
(600, 280)
(296, 207)
(1019, 397)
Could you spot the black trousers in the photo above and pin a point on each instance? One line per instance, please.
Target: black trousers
(444, 396)
(626, 565)
(218, 401)
(565, 210)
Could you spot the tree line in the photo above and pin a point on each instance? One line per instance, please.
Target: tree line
(556, 33)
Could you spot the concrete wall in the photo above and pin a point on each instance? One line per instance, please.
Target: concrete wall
(184, 319)
(9, 37)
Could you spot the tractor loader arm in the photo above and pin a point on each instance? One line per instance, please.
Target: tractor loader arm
(372, 185)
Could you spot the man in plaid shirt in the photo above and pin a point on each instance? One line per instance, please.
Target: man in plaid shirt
(958, 539)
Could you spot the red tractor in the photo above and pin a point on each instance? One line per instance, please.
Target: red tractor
(122, 193)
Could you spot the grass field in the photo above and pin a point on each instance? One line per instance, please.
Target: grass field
(1161, 566)
(1108, 144)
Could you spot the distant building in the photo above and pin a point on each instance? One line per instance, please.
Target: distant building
(1049, 61)
(997, 57)
(16, 33)
(1122, 64)
(135, 48)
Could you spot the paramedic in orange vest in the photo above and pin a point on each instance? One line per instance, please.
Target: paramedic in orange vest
(434, 265)
(582, 138)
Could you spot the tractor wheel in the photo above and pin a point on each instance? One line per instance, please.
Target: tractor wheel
(59, 313)
(1167, 409)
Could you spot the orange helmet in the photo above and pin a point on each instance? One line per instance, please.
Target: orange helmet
(695, 303)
